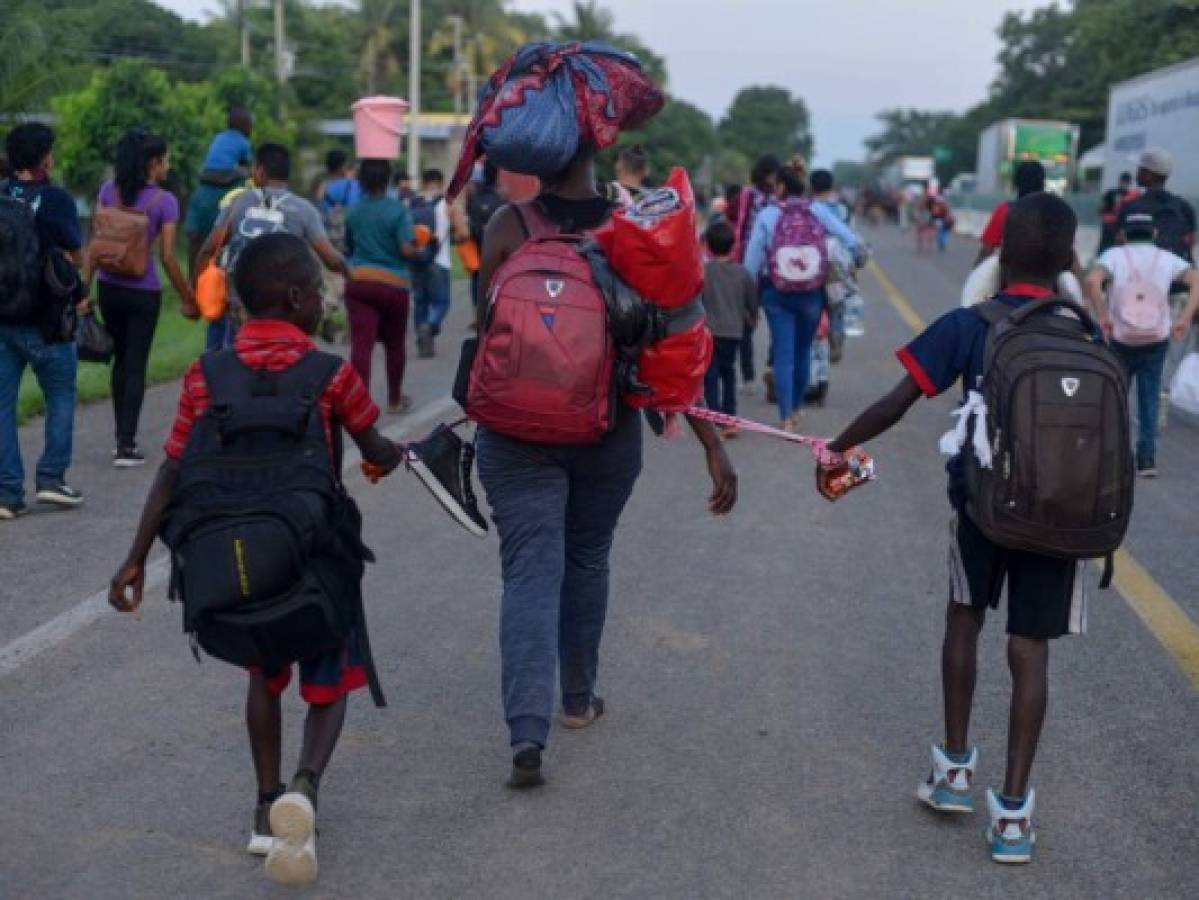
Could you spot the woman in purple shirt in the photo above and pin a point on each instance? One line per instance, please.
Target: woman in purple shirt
(130, 306)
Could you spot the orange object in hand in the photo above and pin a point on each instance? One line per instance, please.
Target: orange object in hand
(212, 292)
(374, 474)
(835, 481)
(468, 253)
(423, 234)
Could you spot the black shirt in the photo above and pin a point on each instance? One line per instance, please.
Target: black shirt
(576, 215)
(1173, 217)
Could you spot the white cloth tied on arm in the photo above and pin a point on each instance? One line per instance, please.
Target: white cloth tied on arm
(954, 440)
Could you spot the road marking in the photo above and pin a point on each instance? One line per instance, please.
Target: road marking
(25, 648)
(898, 300)
(1173, 628)
(1166, 620)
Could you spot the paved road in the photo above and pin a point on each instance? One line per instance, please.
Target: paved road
(771, 678)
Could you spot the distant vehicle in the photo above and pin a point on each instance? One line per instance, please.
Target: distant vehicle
(963, 183)
(1009, 142)
(909, 171)
(1158, 109)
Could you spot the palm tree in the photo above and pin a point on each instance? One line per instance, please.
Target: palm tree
(381, 31)
(591, 22)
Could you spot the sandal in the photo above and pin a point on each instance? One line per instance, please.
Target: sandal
(594, 711)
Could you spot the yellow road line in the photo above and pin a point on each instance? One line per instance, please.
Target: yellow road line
(898, 300)
(1160, 612)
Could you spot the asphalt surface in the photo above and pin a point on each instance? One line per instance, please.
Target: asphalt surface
(771, 678)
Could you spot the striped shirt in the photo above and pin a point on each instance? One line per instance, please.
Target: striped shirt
(275, 345)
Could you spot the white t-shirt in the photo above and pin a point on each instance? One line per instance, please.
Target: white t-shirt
(1156, 265)
(441, 218)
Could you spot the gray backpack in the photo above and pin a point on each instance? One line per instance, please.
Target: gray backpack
(1061, 478)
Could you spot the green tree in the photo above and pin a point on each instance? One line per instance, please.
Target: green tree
(23, 82)
(186, 114)
(767, 119)
(682, 134)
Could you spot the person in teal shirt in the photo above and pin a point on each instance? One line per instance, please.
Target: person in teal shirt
(379, 242)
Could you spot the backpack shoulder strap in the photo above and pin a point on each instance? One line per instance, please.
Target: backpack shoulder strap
(307, 380)
(992, 311)
(226, 377)
(536, 222)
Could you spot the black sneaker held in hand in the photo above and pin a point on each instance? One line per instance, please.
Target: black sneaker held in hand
(443, 463)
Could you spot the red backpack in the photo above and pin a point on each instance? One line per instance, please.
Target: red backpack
(543, 371)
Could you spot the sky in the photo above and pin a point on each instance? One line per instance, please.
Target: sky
(847, 59)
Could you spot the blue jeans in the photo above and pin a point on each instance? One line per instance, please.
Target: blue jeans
(794, 319)
(1145, 366)
(220, 334)
(54, 367)
(942, 238)
(720, 381)
(556, 509)
(431, 296)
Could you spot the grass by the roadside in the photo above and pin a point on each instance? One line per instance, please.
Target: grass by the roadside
(177, 342)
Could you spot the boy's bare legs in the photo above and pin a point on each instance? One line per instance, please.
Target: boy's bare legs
(959, 670)
(265, 724)
(1028, 661)
(322, 728)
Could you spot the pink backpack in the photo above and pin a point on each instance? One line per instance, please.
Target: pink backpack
(799, 250)
(1140, 308)
(543, 371)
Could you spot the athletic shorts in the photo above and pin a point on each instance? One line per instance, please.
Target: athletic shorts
(327, 678)
(1046, 596)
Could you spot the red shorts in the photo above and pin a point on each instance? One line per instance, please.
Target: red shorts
(327, 678)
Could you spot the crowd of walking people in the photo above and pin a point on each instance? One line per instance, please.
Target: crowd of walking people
(249, 499)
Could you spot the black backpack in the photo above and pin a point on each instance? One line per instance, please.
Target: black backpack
(265, 544)
(1061, 478)
(484, 201)
(20, 259)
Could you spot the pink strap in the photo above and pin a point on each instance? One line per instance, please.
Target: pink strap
(819, 446)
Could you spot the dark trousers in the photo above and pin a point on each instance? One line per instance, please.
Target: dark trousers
(556, 509)
(378, 313)
(720, 381)
(131, 317)
(746, 351)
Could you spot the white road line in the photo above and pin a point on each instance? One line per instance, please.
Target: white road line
(28, 646)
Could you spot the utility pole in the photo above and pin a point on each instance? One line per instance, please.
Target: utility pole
(414, 92)
(280, 40)
(244, 33)
(457, 22)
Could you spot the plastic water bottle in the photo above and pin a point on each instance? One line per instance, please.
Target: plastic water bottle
(855, 315)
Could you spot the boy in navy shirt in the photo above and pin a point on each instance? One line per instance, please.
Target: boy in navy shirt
(1045, 594)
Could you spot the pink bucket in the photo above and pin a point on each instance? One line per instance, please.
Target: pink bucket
(378, 122)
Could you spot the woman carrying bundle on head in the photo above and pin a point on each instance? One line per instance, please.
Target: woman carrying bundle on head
(558, 452)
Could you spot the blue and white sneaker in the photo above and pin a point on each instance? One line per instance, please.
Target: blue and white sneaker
(1011, 834)
(948, 786)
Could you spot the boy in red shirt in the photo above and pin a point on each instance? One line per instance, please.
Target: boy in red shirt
(281, 284)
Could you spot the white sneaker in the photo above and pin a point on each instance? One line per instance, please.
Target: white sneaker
(1011, 834)
(292, 856)
(948, 786)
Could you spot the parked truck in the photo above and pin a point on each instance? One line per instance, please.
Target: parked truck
(1158, 109)
(1009, 142)
(909, 171)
